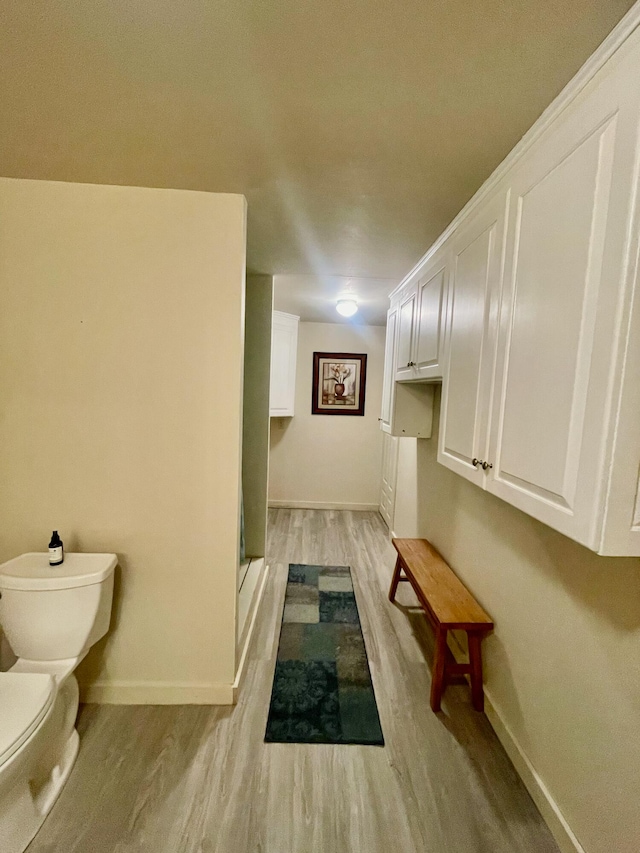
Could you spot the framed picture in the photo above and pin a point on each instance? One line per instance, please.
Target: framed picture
(338, 383)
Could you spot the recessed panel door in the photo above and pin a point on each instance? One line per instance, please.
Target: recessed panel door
(431, 320)
(389, 477)
(407, 313)
(475, 284)
(555, 381)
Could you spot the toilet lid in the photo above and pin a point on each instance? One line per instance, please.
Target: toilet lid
(25, 698)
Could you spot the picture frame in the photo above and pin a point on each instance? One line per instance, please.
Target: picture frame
(339, 383)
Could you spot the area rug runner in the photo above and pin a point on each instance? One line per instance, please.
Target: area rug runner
(322, 690)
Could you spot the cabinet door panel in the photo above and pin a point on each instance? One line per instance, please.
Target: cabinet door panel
(555, 281)
(621, 529)
(389, 476)
(431, 292)
(406, 322)
(476, 273)
(567, 233)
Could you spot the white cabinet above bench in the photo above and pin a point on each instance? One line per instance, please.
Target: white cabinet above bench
(537, 282)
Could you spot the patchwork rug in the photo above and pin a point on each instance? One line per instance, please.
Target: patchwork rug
(322, 690)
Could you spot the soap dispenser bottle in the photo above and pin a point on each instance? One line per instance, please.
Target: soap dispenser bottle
(56, 550)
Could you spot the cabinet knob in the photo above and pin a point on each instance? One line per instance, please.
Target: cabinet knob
(486, 466)
(475, 462)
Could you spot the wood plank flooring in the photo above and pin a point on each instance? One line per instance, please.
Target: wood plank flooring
(193, 779)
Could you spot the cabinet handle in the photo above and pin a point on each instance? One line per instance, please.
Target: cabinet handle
(486, 466)
(475, 462)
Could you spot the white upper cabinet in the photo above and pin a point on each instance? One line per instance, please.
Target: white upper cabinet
(407, 316)
(540, 300)
(422, 315)
(284, 353)
(564, 270)
(477, 251)
(621, 525)
(407, 408)
(431, 295)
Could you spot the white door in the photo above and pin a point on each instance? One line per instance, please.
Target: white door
(407, 314)
(431, 319)
(567, 231)
(389, 377)
(470, 345)
(388, 479)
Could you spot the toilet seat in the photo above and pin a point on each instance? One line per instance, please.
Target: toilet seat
(25, 699)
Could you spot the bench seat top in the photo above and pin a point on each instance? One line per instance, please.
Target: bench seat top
(439, 589)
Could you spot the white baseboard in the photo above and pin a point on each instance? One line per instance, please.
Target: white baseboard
(175, 693)
(555, 820)
(322, 505)
(262, 583)
(547, 806)
(158, 693)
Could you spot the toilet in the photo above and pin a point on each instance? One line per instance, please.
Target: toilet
(51, 616)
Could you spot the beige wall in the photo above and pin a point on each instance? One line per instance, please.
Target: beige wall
(563, 666)
(120, 382)
(329, 459)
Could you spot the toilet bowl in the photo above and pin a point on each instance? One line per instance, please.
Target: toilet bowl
(51, 617)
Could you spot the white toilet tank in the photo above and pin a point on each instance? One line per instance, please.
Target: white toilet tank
(56, 612)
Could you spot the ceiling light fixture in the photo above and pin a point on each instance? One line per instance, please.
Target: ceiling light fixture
(347, 306)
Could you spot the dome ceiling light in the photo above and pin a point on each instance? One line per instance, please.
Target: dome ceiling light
(347, 306)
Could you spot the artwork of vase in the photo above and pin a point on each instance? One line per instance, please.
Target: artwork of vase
(341, 373)
(338, 383)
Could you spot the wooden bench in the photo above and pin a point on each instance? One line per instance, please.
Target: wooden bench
(448, 605)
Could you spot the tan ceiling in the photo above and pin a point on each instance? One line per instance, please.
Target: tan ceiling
(355, 128)
(313, 298)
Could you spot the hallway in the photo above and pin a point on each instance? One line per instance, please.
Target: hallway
(197, 778)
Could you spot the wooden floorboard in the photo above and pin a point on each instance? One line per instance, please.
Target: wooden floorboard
(194, 779)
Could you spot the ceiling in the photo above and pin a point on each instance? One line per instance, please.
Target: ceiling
(313, 298)
(355, 129)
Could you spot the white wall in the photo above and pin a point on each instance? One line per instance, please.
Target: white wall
(563, 666)
(121, 317)
(330, 460)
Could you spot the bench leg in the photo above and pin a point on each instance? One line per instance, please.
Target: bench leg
(437, 676)
(475, 660)
(395, 580)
